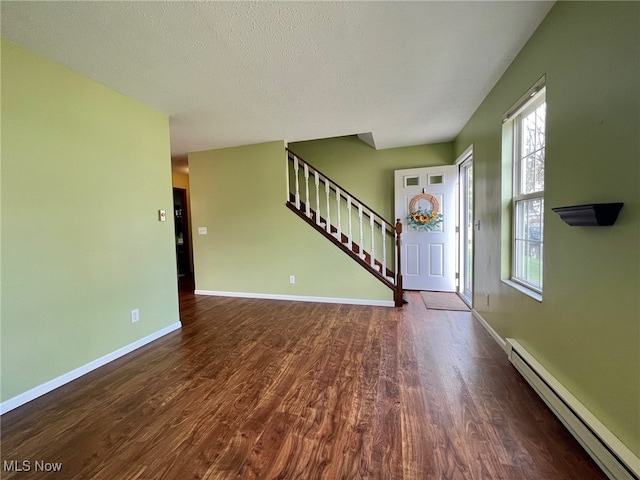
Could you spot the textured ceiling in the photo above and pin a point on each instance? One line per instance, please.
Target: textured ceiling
(237, 73)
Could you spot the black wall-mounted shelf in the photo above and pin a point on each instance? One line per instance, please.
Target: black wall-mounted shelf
(590, 215)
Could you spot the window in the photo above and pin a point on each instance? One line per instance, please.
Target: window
(413, 181)
(527, 201)
(436, 179)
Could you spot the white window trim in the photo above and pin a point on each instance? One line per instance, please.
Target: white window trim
(514, 260)
(523, 289)
(528, 102)
(537, 99)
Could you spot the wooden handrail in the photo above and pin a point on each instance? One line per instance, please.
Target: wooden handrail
(324, 226)
(343, 190)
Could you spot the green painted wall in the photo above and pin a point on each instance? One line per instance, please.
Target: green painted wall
(254, 242)
(84, 172)
(587, 329)
(368, 173)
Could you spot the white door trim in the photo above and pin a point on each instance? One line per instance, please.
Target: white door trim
(462, 233)
(466, 154)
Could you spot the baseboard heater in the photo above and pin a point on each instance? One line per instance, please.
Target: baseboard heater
(614, 458)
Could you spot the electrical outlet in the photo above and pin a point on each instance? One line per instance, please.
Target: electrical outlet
(135, 315)
(292, 279)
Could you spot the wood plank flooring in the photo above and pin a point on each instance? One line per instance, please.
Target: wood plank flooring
(259, 389)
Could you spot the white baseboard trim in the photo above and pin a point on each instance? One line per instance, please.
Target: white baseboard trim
(615, 459)
(499, 340)
(46, 387)
(298, 298)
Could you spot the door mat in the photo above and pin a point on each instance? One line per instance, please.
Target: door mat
(443, 301)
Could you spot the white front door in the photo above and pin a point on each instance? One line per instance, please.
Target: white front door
(425, 203)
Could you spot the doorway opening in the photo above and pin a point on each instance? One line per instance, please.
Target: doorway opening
(465, 237)
(181, 223)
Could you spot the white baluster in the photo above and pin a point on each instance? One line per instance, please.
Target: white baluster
(326, 189)
(373, 245)
(296, 167)
(384, 248)
(361, 237)
(350, 229)
(306, 183)
(339, 218)
(315, 174)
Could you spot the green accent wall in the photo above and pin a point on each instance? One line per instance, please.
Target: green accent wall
(586, 331)
(84, 172)
(254, 243)
(368, 173)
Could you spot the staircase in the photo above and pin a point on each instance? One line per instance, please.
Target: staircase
(347, 222)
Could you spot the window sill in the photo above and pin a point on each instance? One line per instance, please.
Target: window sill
(522, 289)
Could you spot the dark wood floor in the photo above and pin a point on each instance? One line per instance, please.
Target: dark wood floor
(272, 389)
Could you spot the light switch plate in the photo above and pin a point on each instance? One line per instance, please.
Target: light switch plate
(202, 230)
(162, 215)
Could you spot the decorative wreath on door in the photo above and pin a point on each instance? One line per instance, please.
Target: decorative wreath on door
(422, 219)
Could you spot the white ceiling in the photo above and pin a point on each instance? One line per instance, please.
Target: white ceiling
(238, 73)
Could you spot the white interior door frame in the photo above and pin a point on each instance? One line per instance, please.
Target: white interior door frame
(464, 228)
